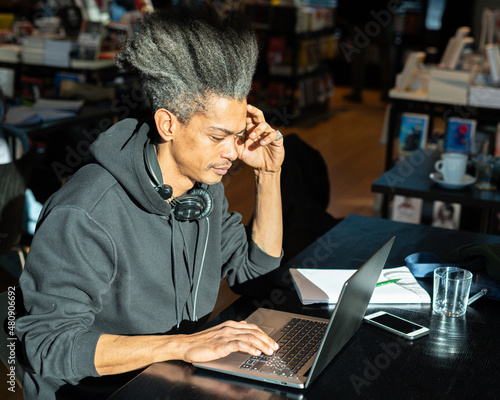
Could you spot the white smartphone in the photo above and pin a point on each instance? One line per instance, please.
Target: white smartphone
(399, 326)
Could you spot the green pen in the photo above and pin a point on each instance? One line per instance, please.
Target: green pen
(386, 282)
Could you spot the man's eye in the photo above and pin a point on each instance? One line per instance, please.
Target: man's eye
(241, 137)
(217, 138)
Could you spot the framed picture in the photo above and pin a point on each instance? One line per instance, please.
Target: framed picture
(460, 135)
(446, 215)
(407, 209)
(412, 132)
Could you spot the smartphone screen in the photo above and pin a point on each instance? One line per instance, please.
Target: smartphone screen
(396, 323)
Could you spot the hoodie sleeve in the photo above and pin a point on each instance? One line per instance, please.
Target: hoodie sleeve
(242, 259)
(62, 284)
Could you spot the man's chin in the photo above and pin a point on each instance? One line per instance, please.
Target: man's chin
(212, 179)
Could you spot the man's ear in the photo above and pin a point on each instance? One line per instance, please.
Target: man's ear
(166, 123)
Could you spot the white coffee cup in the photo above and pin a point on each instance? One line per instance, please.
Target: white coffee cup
(452, 166)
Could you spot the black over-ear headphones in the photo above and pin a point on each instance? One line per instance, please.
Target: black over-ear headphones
(194, 205)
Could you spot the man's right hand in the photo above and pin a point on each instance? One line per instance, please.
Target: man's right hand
(224, 339)
(116, 354)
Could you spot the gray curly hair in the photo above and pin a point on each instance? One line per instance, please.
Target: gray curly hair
(185, 55)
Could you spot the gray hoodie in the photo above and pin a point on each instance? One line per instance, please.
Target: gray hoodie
(109, 257)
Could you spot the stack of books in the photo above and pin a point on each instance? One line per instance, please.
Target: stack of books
(57, 53)
(449, 86)
(484, 96)
(10, 53)
(32, 50)
(315, 89)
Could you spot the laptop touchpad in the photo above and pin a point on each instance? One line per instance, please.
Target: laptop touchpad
(267, 330)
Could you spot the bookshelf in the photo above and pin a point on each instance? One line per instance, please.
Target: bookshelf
(294, 74)
(441, 113)
(409, 176)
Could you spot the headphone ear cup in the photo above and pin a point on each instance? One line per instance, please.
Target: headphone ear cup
(207, 198)
(194, 205)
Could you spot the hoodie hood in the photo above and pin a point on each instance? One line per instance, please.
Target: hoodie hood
(120, 150)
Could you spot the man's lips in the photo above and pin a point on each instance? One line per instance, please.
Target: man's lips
(222, 170)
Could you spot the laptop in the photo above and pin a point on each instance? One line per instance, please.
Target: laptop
(296, 363)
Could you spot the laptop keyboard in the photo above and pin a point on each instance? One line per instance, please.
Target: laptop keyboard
(299, 342)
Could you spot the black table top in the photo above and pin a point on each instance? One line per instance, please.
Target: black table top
(458, 359)
(411, 178)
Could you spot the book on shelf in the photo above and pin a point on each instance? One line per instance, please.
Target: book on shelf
(89, 40)
(490, 27)
(481, 95)
(276, 49)
(455, 47)
(32, 50)
(412, 132)
(328, 46)
(10, 53)
(315, 286)
(493, 56)
(7, 79)
(410, 70)
(58, 53)
(275, 93)
(62, 76)
(460, 135)
(77, 63)
(446, 215)
(30, 87)
(315, 89)
(449, 86)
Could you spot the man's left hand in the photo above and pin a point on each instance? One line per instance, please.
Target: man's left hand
(260, 149)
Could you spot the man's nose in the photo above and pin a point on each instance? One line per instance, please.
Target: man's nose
(229, 152)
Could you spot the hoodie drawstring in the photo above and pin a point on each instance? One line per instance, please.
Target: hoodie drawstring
(194, 283)
(201, 270)
(174, 257)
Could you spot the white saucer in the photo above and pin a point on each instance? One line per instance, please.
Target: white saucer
(466, 181)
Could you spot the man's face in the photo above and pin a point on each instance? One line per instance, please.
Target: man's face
(204, 148)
